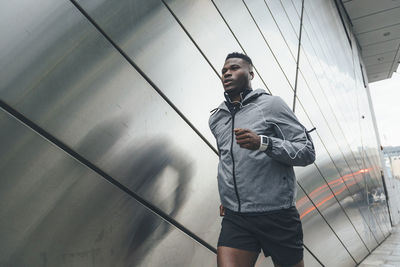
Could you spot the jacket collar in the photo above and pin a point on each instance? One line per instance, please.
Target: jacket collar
(253, 94)
(232, 105)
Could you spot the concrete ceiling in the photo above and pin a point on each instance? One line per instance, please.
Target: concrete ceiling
(376, 24)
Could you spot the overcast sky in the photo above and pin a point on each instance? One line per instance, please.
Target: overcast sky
(386, 100)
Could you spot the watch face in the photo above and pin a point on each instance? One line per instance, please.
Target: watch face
(264, 139)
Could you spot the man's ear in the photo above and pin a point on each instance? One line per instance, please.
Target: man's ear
(252, 75)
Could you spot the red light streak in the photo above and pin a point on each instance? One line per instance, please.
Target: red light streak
(323, 188)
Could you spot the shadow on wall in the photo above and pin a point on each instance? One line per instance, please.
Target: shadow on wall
(92, 223)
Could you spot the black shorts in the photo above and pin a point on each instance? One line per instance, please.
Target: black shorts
(279, 234)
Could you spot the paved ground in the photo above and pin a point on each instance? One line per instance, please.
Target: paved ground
(387, 254)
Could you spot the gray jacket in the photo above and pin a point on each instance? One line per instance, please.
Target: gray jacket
(256, 181)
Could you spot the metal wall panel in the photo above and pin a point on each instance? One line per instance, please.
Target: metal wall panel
(246, 30)
(329, 73)
(57, 212)
(340, 85)
(348, 173)
(291, 13)
(310, 260)
(373, 156)
(324, 199)
(314, 227)
(290, 34)
(377, 206)
(310, 69)
(370, 147)
(320, 191)
(326, 29)
(155, 41)
(206, 26)
(97, 104)
(274, 38)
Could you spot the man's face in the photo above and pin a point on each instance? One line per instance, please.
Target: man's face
(236, 74)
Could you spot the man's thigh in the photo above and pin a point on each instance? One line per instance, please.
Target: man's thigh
(237, 246)
(235, 234)
(233, 257)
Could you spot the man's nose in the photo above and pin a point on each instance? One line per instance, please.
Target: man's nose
(227, 74)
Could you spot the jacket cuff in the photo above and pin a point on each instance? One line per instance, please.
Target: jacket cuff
(265, 144)
(270, 145)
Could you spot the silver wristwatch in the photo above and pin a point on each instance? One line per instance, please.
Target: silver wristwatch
(264, 143)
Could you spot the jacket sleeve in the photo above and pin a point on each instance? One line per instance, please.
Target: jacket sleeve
(292, 144)
(211, 124)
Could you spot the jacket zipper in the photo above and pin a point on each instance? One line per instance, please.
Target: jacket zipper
(233, 160)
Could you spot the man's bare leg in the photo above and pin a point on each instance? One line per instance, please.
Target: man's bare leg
(233, 257)
(299, 264)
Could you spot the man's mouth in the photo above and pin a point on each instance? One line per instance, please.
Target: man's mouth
(228, 81)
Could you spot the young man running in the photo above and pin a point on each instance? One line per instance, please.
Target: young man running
(259, 140)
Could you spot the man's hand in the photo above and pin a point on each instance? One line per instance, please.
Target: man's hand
(247, 139)
(221, 210)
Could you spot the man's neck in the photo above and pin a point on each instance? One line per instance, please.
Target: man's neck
(235, 98)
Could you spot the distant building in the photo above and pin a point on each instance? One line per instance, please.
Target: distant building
(392, 160)
(395, 164)
(392, 165)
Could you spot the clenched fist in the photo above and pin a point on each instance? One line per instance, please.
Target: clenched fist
(221, 210)
(247, 139)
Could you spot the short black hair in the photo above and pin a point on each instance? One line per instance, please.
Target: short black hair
(239, 55)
